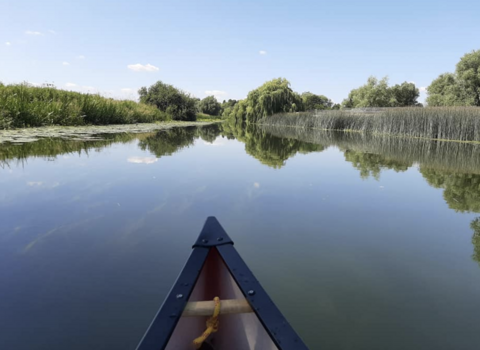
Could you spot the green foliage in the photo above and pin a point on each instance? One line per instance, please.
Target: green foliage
(170, 141)
(441, 155)
(274, 96)
(209, 105)
(312, 101)
(23, 105)
(452, 123)
(371, 164)
(208, 118)
(170, 100)
(227, 107)
(475, 226)
(270, 150)
(445, 91)
(230, 103)
(461, 190)
(165, 142)
(52, 147)
(459, 89)
(404, 95)
(377, 93)
(468, 75)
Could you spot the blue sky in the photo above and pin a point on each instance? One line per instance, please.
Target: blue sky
(232, 47)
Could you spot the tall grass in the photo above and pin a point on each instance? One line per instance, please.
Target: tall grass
(449, 123)
(22, 105)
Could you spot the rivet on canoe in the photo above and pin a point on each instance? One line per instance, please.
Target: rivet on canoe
(179, 296)
(251, 292)
(220, 239)
(205, 241)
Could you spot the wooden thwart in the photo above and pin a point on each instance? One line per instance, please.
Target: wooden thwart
(205, 308)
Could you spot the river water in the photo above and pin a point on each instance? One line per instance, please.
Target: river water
(363, 242)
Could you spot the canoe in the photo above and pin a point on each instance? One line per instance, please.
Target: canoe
(217, 296)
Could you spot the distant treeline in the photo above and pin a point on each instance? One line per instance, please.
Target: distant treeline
(23, 105)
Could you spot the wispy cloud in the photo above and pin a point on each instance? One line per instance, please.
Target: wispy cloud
(142, 160)
(142, 68)
(8, 43)
(262, 52)
(423, 89)
(31, 32)
(127, 90)
(217, 93)
(35, 183)
(256, 185)
(218, 142)
(81, 57)
(65, 63)
(51, 31)
(70, 84)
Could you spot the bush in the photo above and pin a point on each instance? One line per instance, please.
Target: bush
(209, 105)
(170, 100)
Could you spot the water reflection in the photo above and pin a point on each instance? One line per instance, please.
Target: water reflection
(161, 143)
(451, 166)
(167, 142)
(109, 228)
(50, 148)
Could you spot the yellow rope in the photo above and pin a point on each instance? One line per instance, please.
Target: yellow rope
(212, 325)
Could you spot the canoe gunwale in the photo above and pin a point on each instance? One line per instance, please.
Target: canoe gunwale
(213, 236)
(161, 329)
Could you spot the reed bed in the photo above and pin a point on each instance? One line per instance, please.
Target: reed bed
(443, 123)
(23, 105)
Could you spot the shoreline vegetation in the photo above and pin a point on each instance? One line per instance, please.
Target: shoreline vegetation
(453, 111)
(460, 124)
(26, 106)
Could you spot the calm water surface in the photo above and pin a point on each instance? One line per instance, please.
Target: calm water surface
(363, 243)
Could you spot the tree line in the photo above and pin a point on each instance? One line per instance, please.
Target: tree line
(461, 88)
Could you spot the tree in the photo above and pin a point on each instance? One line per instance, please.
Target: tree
(210, 105)
(275, 96)
(227, 107)
(377, 93)
(404, 95)
(461, 88)
(468, 75)
(312, 101)
(445, 91)
(167, 98)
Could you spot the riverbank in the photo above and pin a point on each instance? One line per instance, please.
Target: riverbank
(439, 123)
(88, 132)
(23, 105)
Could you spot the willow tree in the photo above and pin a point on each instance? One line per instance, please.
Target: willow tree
(275, 96)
